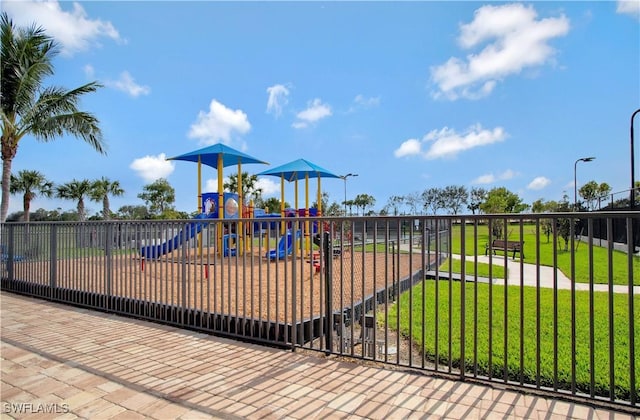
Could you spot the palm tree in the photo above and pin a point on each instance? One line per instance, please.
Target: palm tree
(76, 190)
(100, 191)
(29, 108)
(249, 186)
(31, 184)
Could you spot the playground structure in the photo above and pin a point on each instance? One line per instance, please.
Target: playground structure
(220, 205)
(193, 230)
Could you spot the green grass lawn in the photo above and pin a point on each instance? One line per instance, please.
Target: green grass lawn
(478, 328)
(470, 268)
(600, 255)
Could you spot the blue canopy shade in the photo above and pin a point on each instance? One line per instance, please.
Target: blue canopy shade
(299, 169)
(209, 156)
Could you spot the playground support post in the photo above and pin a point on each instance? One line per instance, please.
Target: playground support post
(199, 208)
(240, 209)
(220, 203)
(307, 233)
(282, 224)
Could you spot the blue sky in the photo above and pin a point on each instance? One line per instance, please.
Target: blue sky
(408, 95)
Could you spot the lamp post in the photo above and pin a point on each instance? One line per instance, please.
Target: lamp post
(632, 195)
(344, 178)
(575, 180)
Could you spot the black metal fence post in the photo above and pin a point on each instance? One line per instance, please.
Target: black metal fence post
(328, 265)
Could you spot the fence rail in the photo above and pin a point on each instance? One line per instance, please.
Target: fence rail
(532, 301)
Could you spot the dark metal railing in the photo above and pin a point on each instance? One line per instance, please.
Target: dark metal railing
(533, 301)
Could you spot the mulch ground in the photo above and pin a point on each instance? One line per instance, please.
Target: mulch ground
(245, 285)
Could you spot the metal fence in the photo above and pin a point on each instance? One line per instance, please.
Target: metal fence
(529, 301)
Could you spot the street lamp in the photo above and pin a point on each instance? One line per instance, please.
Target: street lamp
(575, 180)
(633, 181)
(344, 178)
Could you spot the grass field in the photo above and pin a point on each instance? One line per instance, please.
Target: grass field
(479, 329)
(600, 261)
(481, 269)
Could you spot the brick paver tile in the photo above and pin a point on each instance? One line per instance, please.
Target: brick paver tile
(461, 411)
(374, 410)
(162, 409)
(410, 401)
(92, 409)
(346, 402)
(138, 402)
(436, 407)
(128, 415)
(81, 399)
(611, 415)
(195, 415)
(120, 395)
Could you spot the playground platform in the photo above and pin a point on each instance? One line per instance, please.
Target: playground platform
(77, 363)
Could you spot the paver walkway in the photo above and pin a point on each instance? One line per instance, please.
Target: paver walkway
(64, 362)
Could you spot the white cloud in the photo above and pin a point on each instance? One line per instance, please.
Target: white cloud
(299, 124)
(151, 168)
(269, 186)
(508, 174)
(211, 184)
(277, 99)
(219, 124)
(447, 142)
(362, 102)
(89, 71)
(73, 30)
(513, 39)
(408, 148)
(491, 178)
(126, 84)
(629, 7)
(539, 183)
(484, 179)
(315, 111)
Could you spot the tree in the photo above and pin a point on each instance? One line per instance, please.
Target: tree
(250, 190)
(324, 201)
(477, 196)
(30, 184)
(541, 206)
(100, 191)
(28, 108)
(159, 196)
(134, 213)
(272, 205)
(334, 209)
(501, 200)
(591, 192)
(395, 201)
(364, 201)
(76, 190)
(454, 197)
(564, 224)
(412, 200)
(432, 199)
(350, 204)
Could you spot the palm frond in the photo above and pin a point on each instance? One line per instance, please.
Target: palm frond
(26, 60)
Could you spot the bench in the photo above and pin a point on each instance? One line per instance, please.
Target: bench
(506, 246)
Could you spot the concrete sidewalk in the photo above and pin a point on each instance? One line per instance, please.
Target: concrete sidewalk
(63, 362)
(528, 272)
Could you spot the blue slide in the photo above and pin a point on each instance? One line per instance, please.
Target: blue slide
(155, 251)
(285, 246)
